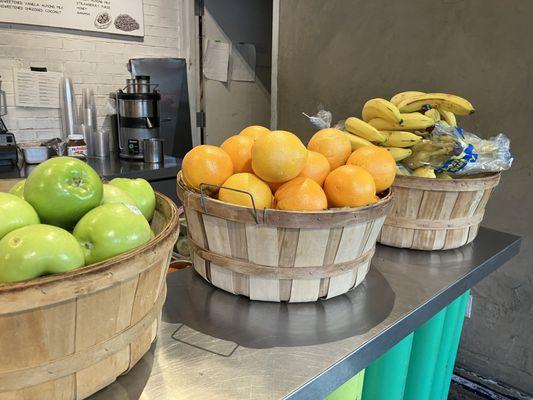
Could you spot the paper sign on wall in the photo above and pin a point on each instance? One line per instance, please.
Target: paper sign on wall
(216, 60)
(37, 89)
(121, 17)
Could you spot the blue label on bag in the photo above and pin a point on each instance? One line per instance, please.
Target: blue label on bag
(457, 163)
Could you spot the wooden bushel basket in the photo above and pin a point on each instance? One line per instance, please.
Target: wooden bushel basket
(274, 255)
(68, 335)
(436, 214)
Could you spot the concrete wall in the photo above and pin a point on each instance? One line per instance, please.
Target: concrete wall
(341, 53)
(91, 60)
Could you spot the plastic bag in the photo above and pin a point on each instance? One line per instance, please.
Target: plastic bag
(321, 120)
(458, 152)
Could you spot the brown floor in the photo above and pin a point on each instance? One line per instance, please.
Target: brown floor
(457, 392)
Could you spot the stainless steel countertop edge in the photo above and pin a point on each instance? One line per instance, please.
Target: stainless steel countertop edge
(340, 372)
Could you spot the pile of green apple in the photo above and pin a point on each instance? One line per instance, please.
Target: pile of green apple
(63, 217)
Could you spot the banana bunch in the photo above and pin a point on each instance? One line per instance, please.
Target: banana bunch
(441, 101)
(400, 125)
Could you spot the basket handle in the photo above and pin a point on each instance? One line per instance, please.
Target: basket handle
(204, 204)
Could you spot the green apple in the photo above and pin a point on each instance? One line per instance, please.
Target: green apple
(110, 230)
(15, 213)
(62, 190)
(114, 194)
(18, 189)
(36, 250)
(141, 191)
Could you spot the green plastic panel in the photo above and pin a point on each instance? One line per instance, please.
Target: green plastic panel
(385, 377)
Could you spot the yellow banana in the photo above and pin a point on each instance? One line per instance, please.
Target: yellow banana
(401, 170)
(443, 175)
(449, 118)
(398, 153)
(433, 113)
(425, 172)
(357, 141)
(442, 101)
(400, 139)
(411, 122)
(361, 128)
(381, 108)
(399, 97)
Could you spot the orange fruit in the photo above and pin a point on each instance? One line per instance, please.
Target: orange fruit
(350, 186)
(254, 131)
(278, 156)
(239, 148)
(301, 194)
(379, 162)
(316, 167)
(274, 185)
(249, 183)
(333, 145)
(206, 164)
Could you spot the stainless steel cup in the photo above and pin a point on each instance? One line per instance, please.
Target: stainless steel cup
(153, 150)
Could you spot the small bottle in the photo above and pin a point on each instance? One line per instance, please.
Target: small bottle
(76, 146)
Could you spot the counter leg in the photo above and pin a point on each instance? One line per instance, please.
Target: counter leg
(385, 377)
(423, 358)
(351, 390)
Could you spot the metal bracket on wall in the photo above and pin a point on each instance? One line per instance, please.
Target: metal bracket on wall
(200, 119)
(198, 8)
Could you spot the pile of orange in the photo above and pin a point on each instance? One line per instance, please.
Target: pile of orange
(278, 171)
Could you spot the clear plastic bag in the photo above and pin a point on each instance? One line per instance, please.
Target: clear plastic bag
(458, 152)
(321, 120)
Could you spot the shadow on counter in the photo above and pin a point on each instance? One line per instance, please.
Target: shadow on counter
(255, 324)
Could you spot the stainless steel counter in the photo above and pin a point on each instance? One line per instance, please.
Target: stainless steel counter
(113, 167)
(213, 345)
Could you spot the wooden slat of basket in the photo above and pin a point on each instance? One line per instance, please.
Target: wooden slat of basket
(448, 212)
(265, 271)
(101, 374)
(6, 184)
(481, 182)
(36, 333)
(13, 379)
(406, 203)
(311, 247)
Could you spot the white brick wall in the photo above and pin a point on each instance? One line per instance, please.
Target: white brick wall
(91, 61)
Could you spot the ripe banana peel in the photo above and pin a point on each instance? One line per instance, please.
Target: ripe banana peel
(442, 101)
(399, 153)
(401, 170)
(357, 141)
(433, 113)
(424, 172)
(448, 117)
(400, 139)
(443, 175)
(399, 97)
(381, 108)
(362, 129)
(411, 122)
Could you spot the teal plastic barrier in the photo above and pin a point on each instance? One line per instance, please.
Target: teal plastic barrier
(454, 314)
(420, 367)
(385, 377)
(455, 345)
(424, 353)
(351, 390)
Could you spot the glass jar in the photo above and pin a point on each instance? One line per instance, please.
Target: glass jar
(76, 146)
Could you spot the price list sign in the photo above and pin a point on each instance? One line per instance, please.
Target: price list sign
(121, 17)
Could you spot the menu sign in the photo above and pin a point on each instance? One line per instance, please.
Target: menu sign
(122, 17)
